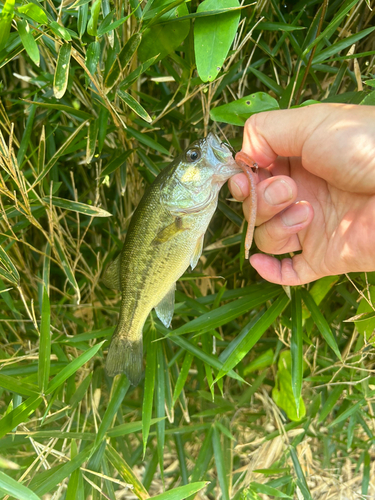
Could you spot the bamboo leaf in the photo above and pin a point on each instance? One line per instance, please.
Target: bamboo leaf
(76, 206)
(19, 415)
(213, 37)
(44, 344)
(15, 489)
(148, 394)
(60, 81)
(296, 346)
(6, 17)
(28, 41)
(72, 367)
(134, 105)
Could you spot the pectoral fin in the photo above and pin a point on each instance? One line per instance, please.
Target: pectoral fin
(111, 276)
(197, 252)
(170, 231)
(165, 308)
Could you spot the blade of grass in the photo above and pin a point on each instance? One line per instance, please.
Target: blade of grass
(44, 344)
(296, 346)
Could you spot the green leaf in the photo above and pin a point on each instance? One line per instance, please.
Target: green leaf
(134, 105)
(72, 367)
(65, 264)
(219, 462)
(122, 60)
(28, 41)
(92, 26)
(213, 37)
(44, 344)
(335, 48)
(262, 361)
(15, 489)
(76, 206)
(6, 17)
(228, 312)
(331, 402)
(18, 386)
(148, 393)
(35, 12)
(60, 31)
(19, 415)
(116, 163)
(296, 348)
(301, 480)
(160, 40)
(274, 26)
(159, 397)
(60, 81)
(181, 492)
(249, 336)
(147, 140)
(119, 389)
(237, 112)
(126, 472)
(9, 271)
(282, 393)
(134, 75)
(320, 322)
(265, 489)
(92, 59)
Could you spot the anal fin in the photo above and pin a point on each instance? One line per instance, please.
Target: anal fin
(165, 308)
(197, 252)
(111, 276)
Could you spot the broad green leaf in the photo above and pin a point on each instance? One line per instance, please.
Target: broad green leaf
(72, 368)
(134, 105)
(92, 26)
(126, 472)
(83, 14)
(19, 415)
(6, 17)
(320, 322)
(35, 12)
(282, 393)
(15, 489)
(28, 41)
(60, 31)
(60, 81)
(213, 37)
(250, 335)
(181, 492)
(44, 343)
(162, 39)
(296, 348)
(237, 112)
(76, 206)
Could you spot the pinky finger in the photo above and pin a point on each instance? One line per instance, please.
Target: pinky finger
(289, 271)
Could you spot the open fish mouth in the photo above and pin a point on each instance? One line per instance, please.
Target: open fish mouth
(224, 153)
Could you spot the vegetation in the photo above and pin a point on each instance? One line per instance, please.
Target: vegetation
(256, 392)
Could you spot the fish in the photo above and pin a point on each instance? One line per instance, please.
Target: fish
(164, 237)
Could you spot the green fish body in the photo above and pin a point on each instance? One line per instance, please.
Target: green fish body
(165, 236)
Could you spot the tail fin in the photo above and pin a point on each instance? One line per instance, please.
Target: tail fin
(125, 356)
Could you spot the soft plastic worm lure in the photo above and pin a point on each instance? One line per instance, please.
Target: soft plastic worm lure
(246, 163)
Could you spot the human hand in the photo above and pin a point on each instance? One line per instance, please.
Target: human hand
(316, 191)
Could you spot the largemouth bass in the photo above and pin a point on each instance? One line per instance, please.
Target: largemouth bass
(165, 236)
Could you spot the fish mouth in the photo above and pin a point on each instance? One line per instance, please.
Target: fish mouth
(224, 153)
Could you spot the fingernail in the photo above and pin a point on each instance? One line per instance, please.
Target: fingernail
(236, 190)
(278, 192)
(296, 214)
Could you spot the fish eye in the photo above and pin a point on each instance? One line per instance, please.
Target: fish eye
(193, 155)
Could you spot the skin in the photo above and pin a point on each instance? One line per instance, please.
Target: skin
(315, 190)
